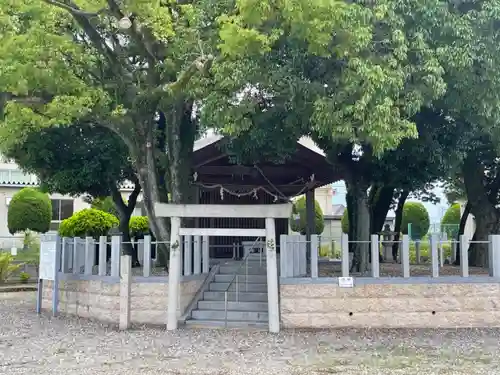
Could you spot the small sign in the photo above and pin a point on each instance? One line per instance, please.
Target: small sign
(48, 260)
(13, 251)
(346, 282)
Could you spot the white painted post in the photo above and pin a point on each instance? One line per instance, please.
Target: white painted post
(103, 252)
(434, 255)
(297, 242)
(188, 256)
(290, 246)
(303, 257)
(174, 273)
(464, 256)
(197, 255)
(344, 248)
(140, 251)
(405, 255)
(441, 251)
(89, 255)
(314, 255)
(494, 255)
(272, 277)
(76, 266)
(205, 254)
(375, 256)
(125, 291)
(146, 263)
(65, 258)
(283, 256)
(115, 255)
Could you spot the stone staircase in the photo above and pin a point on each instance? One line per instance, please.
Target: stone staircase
(247, 301)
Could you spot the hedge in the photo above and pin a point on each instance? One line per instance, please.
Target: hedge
(29, 209)
(416, 214)
(301, 224)
(451, 221)
(138, 226)
(88, 222)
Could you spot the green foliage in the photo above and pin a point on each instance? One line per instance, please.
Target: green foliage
(301, 224)
(88, 222)
(7, 268)
(345, 222)
(451, 221)
(24, 277)
(29, 209)
(416, 214)
(425, 252)
(138, 226)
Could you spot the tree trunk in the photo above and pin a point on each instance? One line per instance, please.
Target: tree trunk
(399, 220)
(125, 212)
(485, 213)
(362, 224)
(461, 231)
(379, 207)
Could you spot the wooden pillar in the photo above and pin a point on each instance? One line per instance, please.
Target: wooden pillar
(174, 275)
(309, 219)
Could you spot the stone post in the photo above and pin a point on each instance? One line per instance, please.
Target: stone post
(272, 277)
(405, 255)
(116, 242)
(344, 248)
(434, 239)
(125, 290)
(494, 255)
(103, 269)
(375, 256)
(174, 276)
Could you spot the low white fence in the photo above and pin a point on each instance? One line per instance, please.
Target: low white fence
(102, 258)
(296, 261)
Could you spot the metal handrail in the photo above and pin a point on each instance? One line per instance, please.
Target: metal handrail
(235, 277)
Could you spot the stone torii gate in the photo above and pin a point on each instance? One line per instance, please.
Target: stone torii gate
(269, 212)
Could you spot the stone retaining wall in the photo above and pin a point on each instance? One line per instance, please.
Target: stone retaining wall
(100, 300)
(419, 305)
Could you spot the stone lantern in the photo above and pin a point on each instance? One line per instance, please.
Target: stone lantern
(387, 242)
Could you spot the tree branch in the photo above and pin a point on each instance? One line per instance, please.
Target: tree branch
(118, 200)
(202, 63)
(75, 10)
(132, 199)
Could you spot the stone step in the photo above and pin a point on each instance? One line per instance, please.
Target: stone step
(262, 279)
(239, 286)
(231, 296)
(252, 270)
(233, 306)
(242, 316)
(220, 324)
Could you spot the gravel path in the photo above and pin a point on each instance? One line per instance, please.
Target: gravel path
(41, 346)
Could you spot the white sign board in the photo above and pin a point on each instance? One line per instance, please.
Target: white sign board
(346, 282)
(48, 260)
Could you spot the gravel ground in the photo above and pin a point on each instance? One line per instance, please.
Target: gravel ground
(41, 346)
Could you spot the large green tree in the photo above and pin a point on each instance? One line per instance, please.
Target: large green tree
(352, 75)
(116, 64)
(81, 159)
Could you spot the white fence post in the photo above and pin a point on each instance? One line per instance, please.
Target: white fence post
(116, 242)
(464, 256)
(314, 255)
(146, 263)
(103, 255)
(65, 258)
(405, 255)
(434, 239)
(197, 255)
(494, 255)
(125, 291)
(375, 256)
(89, 255)
(283, 256)
(76, 266)
(188, 256)
(344, 248)
(140, 250)
(206, 254)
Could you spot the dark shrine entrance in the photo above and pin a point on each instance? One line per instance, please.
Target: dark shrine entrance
(219, 181)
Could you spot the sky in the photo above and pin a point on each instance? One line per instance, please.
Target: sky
(436, 211)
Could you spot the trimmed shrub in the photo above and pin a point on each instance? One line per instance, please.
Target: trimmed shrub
(451, 221)
(29, 209)
(105, 204)
(7, 267)
(88, 222)
(300, 224)
(138, 226)
(416, 214)
(345, 222)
